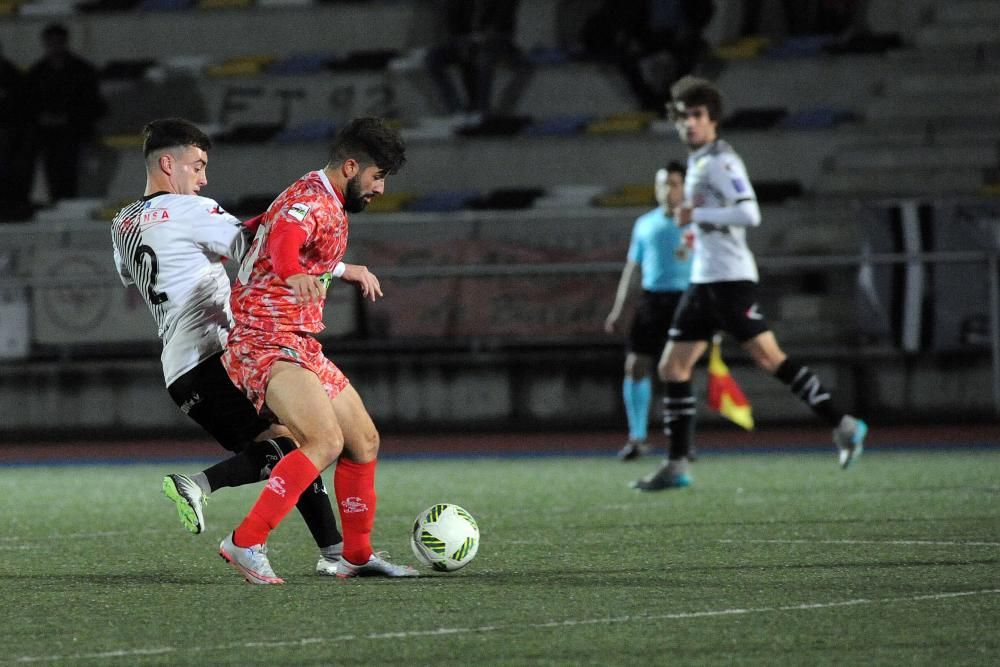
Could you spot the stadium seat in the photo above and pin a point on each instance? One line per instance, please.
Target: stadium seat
(507, 198)
(495, 126)
(166, 5)
(627, 196)
(307, 63)
(753, 119)
(819, 118)
(126, 69)
(622, 123)
(315, 131)
(242, 66)
(560, 126)
(254, 133)
(806, 46)
(443, 202)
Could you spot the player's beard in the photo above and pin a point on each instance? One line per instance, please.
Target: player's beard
(354, 202)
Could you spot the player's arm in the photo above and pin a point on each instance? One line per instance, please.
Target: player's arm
(729, 177)
(628, 285)
(219, 232)
(123, 272)
(285, 242)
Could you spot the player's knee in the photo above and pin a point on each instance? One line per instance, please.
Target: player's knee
(637, 367)
(323, 447)
(367, 449)
(669, 371)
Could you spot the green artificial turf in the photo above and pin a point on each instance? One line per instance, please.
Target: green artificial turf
(767, 559)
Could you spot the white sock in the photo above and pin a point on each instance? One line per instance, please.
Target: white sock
(201, 480)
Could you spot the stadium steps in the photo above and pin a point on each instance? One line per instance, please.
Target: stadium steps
(979, 154)
(908, 180)
(224, 33)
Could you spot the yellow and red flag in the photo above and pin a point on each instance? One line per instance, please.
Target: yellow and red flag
(724, 395)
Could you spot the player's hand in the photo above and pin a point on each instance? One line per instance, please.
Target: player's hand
(612, 325)
(307, 288)
(370, 287)
(683, 215)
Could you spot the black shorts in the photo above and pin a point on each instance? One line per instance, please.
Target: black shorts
(651, 324)
(207, 395)
(724, 306)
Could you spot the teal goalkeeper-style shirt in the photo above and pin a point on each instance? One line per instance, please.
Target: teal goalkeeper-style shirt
(658, 246)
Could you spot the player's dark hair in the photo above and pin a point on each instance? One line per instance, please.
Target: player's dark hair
(695, 92)
(369, 141)
(676, 167)
(170, 133)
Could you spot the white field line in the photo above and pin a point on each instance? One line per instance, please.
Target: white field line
(437, 632)
(937, 543)
(12, 543)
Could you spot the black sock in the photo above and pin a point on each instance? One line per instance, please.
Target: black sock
(678, 418)
(314, 506)
(804, 384)
(247, 466)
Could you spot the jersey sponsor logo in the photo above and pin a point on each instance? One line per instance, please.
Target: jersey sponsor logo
(298, 211)
(153, 215)
(353, 505)
(738, 185)
(217, 210)
(752, 313)
(190, 403)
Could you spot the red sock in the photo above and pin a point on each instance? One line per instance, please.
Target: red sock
(293, 474)
(354, 484)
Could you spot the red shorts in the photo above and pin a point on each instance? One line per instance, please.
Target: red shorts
(251, 352)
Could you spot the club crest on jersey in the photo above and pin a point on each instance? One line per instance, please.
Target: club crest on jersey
(298, 211)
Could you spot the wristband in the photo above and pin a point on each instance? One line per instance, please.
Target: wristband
(338, 270)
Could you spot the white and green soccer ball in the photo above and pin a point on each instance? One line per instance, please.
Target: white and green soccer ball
(445, 537)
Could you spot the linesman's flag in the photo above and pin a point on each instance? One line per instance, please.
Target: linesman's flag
(724, 395)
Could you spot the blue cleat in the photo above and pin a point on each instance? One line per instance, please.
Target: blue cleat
(849, 436)
(662, 478)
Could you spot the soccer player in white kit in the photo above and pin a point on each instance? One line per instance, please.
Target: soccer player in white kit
(720, 205)
(171, 244)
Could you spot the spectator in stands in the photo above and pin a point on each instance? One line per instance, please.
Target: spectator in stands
(659, 259)
(65, 101)
(635, 34)
(15, 165)
(721, 205)
(479, 35)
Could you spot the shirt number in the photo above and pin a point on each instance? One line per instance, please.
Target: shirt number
(144, 251)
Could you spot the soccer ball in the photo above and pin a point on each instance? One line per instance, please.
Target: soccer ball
(445, 537)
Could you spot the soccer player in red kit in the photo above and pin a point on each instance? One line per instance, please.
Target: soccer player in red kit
(277, 303)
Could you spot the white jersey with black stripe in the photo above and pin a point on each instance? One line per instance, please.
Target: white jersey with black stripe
(717, 178)
(171, 247)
